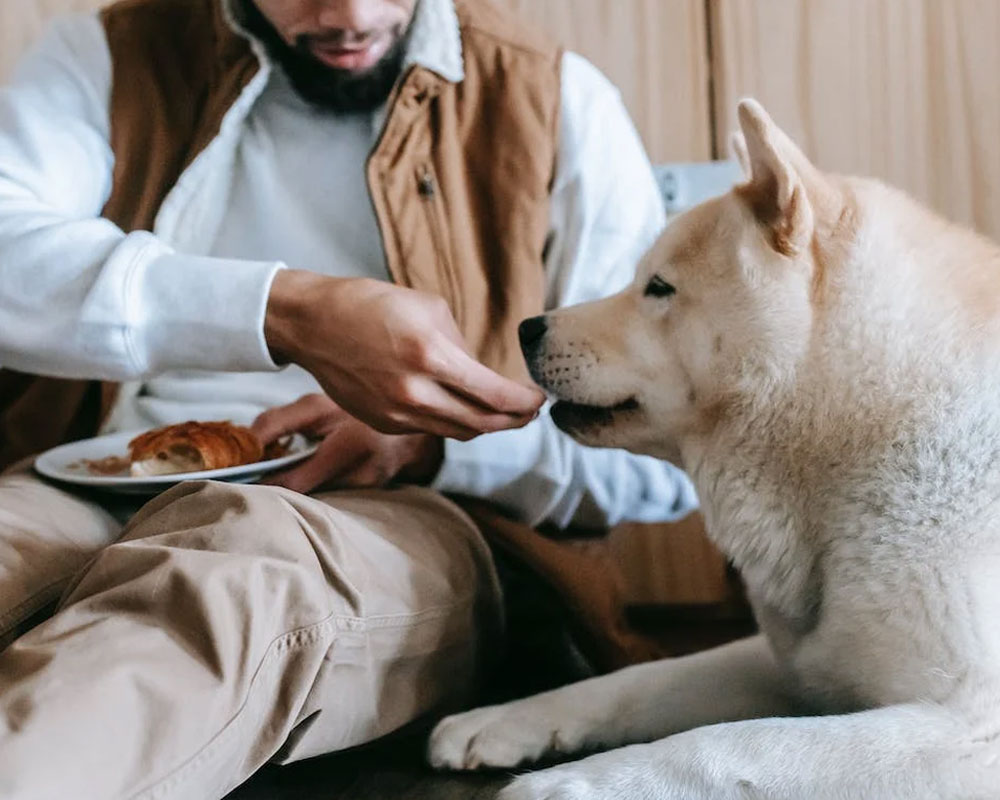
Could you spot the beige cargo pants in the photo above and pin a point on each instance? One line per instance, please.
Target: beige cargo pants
(224, 626)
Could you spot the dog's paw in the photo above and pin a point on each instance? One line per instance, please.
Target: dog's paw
(630, 772)
(603, 777)
(559, 783)
(504, 736)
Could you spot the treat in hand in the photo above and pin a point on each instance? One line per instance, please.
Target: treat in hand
(193, 447)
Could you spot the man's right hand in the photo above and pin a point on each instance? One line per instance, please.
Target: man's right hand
(393, 357)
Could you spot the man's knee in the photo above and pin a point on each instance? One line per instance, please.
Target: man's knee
(214, 554)
(260, 522)
(209, 548)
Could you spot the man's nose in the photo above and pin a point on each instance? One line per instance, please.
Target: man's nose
(531, 332)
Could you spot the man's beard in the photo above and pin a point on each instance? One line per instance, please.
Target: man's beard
(339, 90)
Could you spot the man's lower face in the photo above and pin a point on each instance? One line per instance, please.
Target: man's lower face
(338, 70)
(355, 56)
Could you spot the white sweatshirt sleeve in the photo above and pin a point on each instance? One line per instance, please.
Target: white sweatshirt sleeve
(78, 297)
(606, 210)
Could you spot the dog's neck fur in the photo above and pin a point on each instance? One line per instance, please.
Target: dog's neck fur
(782, 476)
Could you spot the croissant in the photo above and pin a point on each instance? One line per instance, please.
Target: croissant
(193, 447)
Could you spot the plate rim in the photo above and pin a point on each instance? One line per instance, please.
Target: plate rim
(42, 465)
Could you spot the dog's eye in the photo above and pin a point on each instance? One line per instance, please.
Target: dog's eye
(657, 287)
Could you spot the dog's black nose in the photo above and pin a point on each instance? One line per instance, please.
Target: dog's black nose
(530, 331)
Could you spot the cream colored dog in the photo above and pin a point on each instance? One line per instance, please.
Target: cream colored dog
(823, 356)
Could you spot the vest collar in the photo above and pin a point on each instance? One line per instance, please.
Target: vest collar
(436, 40)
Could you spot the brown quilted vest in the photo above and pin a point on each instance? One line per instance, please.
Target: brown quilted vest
(460, 182)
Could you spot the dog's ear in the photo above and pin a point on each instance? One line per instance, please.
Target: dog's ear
(738, 150)
(780, 180)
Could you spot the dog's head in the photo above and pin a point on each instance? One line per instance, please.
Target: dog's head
(719, 312)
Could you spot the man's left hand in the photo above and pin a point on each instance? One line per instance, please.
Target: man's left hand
(351, 454)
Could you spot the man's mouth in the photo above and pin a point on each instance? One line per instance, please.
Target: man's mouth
(574, 416)
(354, 57)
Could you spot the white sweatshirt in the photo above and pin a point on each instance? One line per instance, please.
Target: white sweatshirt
(178, 313)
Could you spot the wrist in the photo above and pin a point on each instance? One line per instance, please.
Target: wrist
(288, 314)
(283, 310)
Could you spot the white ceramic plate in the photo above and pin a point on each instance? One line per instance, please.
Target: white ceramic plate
(65, 463)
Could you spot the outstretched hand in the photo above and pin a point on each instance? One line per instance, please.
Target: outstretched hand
(393, 357)
(351, 454)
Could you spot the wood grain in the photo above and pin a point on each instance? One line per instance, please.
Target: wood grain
(903, 90)
(669, 564)
(654, 51)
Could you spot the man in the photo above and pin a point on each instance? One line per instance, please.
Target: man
(253, 210)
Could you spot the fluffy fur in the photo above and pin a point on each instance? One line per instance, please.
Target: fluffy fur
(828, 371)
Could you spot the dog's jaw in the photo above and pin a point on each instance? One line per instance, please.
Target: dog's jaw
(591, 417)
(577, 419)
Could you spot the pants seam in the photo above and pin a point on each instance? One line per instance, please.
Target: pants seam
(286, 643)
(291, 641)
(382, 621)
(13, 617)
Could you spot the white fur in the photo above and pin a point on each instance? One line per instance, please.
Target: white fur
(829, 374)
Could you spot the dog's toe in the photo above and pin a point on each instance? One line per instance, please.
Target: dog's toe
(492, 738)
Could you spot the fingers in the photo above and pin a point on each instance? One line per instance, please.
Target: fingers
(465, 375)
(454, 365)
(336, 456)
(445, 412)
(311, 415)
(427, 407)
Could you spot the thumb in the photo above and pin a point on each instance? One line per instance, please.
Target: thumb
(310, 414)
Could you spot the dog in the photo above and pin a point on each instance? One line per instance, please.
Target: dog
(822, 355)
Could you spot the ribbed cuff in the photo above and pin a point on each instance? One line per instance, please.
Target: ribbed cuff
(196, 312)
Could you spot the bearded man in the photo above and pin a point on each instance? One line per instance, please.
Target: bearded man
(325, 216)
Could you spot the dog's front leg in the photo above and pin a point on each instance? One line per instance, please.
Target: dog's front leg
(907, 752)
(638, 704)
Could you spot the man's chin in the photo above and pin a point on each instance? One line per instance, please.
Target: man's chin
(343, 91)
(319, 81)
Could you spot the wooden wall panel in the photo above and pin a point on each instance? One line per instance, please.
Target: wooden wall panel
(904, 90)
(669, 564)
(654, 51)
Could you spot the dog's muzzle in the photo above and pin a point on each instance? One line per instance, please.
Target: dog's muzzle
(531, 332)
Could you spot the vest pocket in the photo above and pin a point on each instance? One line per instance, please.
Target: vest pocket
(437, 222)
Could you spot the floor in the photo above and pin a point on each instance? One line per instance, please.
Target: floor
(396, 770)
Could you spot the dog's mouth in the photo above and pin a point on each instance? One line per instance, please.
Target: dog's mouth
(570, 416)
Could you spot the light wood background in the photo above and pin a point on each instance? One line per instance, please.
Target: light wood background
(654, 51)
(904, 90)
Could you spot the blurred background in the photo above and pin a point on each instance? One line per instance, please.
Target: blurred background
(905, 90)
